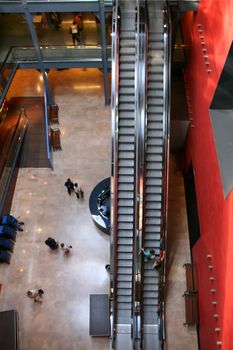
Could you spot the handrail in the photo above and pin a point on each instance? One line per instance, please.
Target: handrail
(114, 166)
(166, 120)
(47, 131)
(141, 88)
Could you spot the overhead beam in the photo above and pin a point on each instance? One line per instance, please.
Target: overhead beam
(53, 6)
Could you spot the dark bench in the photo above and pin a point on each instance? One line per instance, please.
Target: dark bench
(191, 281)
(53, 114)
(191, 308)
(9, 330)
(55, 138)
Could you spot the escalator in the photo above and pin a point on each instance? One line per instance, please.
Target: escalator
(140, 110)
(123, 181)
(155, 170)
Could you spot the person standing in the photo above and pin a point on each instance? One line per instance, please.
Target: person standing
(148, 253)
(74, 32)
(69, 185)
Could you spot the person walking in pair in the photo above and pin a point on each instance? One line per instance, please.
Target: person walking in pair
(78, 191)
(69, 185)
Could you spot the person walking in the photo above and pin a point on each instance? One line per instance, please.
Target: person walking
(80, 191)
(69, 185)
(76, 190)
(74, 32)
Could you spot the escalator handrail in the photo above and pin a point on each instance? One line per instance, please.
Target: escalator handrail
(141, 90)
(166, 119)
(114, 165)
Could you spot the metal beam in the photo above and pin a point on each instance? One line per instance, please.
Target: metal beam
(104, 50)
(52, 6)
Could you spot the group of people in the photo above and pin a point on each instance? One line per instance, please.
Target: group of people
(36, 294)
(150, 256)
(53, 245)
(74, 187)
(76, 28)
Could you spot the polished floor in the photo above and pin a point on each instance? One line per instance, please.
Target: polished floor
(62, 320)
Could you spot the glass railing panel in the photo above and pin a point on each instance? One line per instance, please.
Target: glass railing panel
(10, 157)
(60, 53)
(8, 67)
(27, 53)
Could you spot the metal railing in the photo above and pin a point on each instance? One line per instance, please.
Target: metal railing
(114, 166)
(166, 138)
(7, 72)
(141, 89)
(58, 53)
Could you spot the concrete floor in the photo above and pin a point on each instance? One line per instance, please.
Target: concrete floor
(179, 337)
(62, 320)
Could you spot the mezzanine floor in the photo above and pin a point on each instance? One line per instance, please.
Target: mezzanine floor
(62, 320)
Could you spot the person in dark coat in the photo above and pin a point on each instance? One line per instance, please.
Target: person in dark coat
(51, 243)
(69, 185)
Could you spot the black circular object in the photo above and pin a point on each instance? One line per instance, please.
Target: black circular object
(99, 205)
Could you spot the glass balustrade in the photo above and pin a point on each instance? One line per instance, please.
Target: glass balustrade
(9, 154)
(60, 53)
(7, 70)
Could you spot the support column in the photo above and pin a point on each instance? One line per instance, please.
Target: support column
(104, 50)
(28, 18)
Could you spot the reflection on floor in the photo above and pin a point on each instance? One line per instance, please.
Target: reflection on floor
(62, 320)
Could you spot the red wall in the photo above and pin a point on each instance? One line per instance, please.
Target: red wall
(215, 212)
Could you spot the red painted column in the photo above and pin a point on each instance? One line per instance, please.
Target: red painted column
(210, 38)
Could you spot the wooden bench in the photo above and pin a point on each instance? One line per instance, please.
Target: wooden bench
(53, 114)
(191, 281)
(55, 139)
(191, 308)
